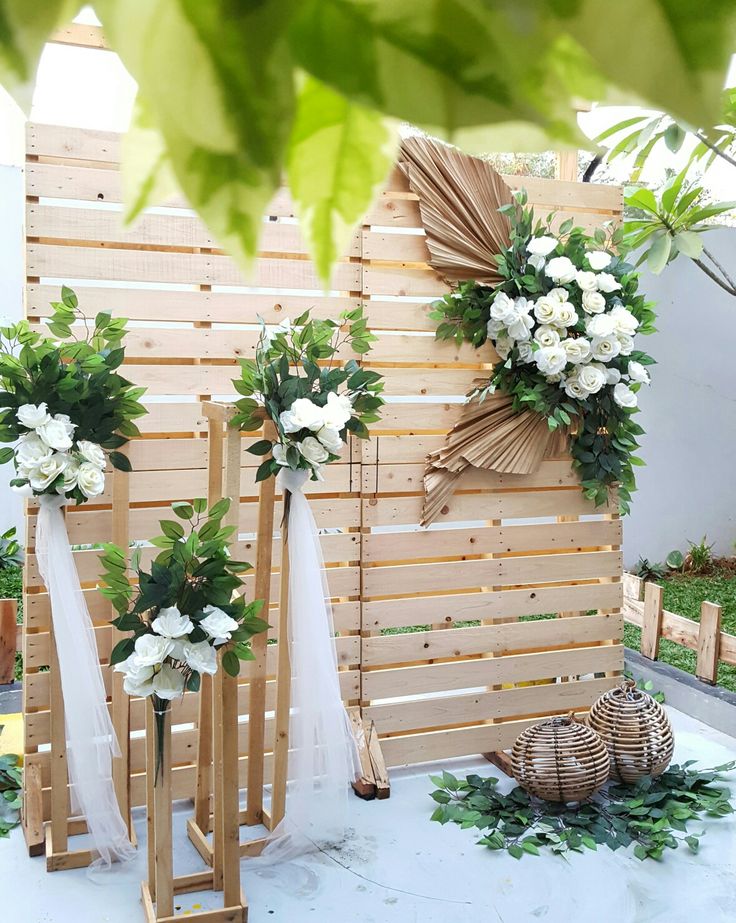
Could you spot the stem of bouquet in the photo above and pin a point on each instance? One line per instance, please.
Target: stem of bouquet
(283, 679)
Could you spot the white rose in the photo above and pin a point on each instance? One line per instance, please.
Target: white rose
(151, 650)
(303, 414)
(550, 359)
(626, 343)
(330, 439)
(170, 623)
(591, 378)
(33, 415)
(92, 453)
(337, 411)
(613, 376)
(624, 321)
(637, 372)
(520, 326)
(560, 269)
(138, 679)
(67, 421)
(90, 479)
(607, 283)
(536, 261)
(494, 327)
(168, 683)
(30, 452)
(218, 624)
(565, 315)
(547, 336)
(587, 281)
(71, 473)
(526, 352)
(624, 396)
(577, 349)
(503, 346)
(605, 348)
(594, 302)
(54, 433)
(574, 389)
(313, 450)
(542, 246)
(47, 471)
(599, 326)
(502, 308)
(201, 657)
(545, 309)
(598, 259)
(279, 453)
(558, 294)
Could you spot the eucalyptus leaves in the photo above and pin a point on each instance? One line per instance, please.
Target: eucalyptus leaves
(64, 403)
(563, 322)
(313, 407)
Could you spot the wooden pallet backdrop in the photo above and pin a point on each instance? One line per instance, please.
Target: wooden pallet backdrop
(192, 316)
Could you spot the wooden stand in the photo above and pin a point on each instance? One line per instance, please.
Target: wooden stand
(60, 826)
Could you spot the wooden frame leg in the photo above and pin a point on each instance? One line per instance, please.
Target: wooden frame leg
(283, 688)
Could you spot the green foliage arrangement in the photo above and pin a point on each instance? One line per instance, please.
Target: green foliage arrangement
(314, 407)
(11, 781)
(314, 88)
(649, 570)
(11, 555)
(653, 815)
(562, 321)
(64, 403)
(184, 610)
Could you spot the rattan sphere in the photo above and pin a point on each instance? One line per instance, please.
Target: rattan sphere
(560, 760)
(636, 731)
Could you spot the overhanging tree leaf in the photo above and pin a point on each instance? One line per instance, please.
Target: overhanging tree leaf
(339, 155)
(147, 174)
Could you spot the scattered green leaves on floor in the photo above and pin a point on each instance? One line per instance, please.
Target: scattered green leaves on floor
(652, 816)
(10, 786)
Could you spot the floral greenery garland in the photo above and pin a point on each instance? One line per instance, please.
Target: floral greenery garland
(63, 402)
(648, 814)
(312, 416)
(562, 321)
(183, 610)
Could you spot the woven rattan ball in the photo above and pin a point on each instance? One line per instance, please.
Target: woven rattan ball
(636, 731)
(560, 760)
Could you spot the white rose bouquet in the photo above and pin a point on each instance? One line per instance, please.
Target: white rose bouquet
(183, 611)
(313, 403)
(563, 322)
(63, 403)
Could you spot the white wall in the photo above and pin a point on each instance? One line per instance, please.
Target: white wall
(688, 488)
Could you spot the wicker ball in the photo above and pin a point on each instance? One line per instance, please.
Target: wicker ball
(560, 760)
(636, 731)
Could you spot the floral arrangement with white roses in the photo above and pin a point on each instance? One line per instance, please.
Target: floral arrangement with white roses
(563, 321)
(313, 402)
(183, 611)
(63, 403)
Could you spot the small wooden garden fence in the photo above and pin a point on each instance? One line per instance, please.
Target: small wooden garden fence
(643, 607)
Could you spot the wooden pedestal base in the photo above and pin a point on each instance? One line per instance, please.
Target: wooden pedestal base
(201, 881)
(61, 860)
(373, 781)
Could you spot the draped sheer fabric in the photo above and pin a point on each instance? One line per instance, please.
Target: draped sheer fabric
(90, 737)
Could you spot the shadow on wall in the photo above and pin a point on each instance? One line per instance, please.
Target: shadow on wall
(688, 487)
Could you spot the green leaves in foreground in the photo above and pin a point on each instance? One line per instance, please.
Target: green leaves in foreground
(10, 797)
(651, 816)
(219, 81)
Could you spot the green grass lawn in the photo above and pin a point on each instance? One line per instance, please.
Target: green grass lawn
(683, 595)
(11, 587)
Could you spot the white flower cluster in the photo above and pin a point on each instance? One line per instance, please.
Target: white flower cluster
(568, 349)
(49, 450)
(324, 423)
(156, 666)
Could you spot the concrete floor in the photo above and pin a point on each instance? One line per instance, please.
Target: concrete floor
(399, 868)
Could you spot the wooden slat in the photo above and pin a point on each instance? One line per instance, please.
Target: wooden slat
(394, 478)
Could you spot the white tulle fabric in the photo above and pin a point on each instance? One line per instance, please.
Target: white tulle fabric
(91, 741)
(323, 759)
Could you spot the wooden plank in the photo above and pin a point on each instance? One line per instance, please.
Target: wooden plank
(364, 785)
(399, 613)
(709, 634)
(81, 35)
(652, 621)
(500, 639)
(514, 668)
(8, 637)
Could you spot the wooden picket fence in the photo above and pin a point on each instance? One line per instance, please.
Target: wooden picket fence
(643, 607)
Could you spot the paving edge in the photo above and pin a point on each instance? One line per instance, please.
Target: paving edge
(713, 705)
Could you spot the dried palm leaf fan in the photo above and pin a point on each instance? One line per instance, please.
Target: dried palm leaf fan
(459, 197)
(636, 731)
(560, 760)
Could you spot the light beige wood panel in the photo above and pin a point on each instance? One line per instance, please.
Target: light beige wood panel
(393, 478)
(56, 261)
(499, 639)
(76, 144)
(481, 706)
(446, 543)
(500, 604)
(407, 281)
(404, 315)
(404, 579)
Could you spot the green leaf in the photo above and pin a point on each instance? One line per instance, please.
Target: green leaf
(262, 447)
(147, 173)
(122, 650)
(231, 663)
(182, 509)
(690, 243)
(659, 253)
(339, 156)
(674, 136)
(171, 529)
(120, 461)
(6, 455)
